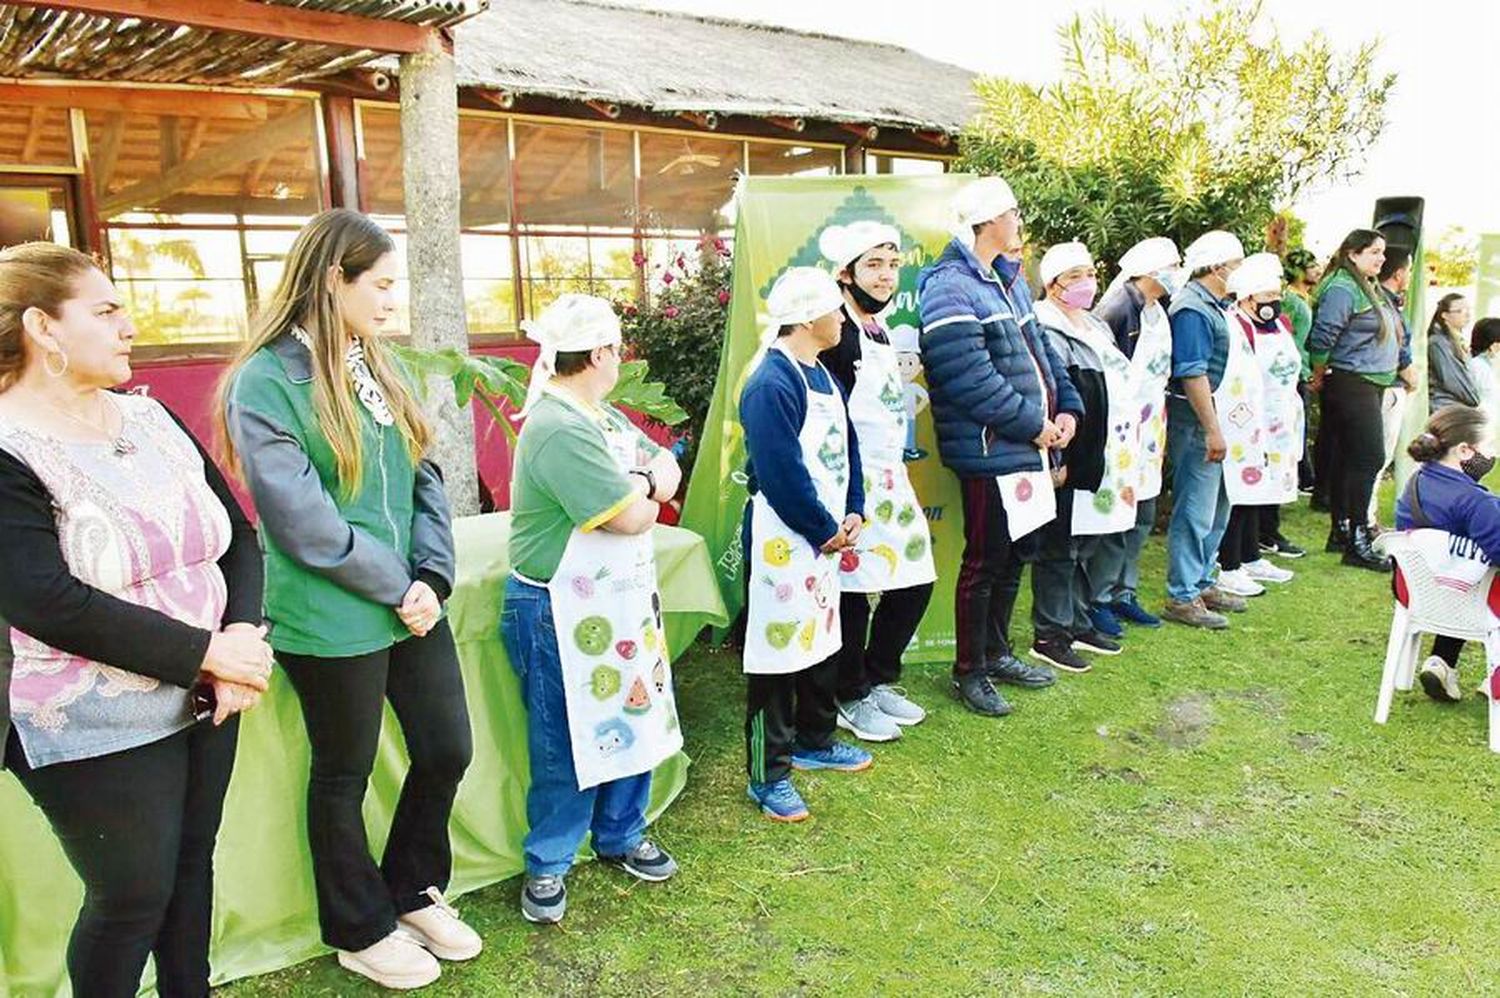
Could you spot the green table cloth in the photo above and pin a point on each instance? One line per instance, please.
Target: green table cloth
(265, 914)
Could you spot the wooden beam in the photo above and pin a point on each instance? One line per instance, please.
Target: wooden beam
(33, 134)
(262, 20)
(195, 138)
(103, 165)
(343, 160)
(196, 103)
(251, 145)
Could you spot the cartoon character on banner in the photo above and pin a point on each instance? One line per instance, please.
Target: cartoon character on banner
(909, 362)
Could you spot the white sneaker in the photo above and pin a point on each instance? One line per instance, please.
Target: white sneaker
(398, 962)
(1263, 570)
(440, 931)
(1238, 583)
(894, 704)
(1440, 680)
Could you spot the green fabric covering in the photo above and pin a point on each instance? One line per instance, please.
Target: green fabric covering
(265, 914)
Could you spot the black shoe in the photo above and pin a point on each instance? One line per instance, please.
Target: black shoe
(1060, 653)
(1278, 545)
(1338, 537)
(1319, 504)
(1009, 669)
(1362, 554)
(978, 694)
(1099, 644)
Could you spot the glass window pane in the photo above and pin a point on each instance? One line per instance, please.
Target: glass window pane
(767, 159)
(260, 158)
(490, 306)
(33, 213)
(612, 259)
(687, 180)
(35, 136)
(485, 256)
(573, 176)
(174, 254)
(170, 312)
(483, 165)
(904, 166)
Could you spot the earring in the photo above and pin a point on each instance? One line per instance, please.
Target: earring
(47, 364)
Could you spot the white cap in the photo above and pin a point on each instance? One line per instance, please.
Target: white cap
(1261, 272)
(841, 245)
(572, 322)
(1062, 258)
(1211, 249)
(904, 338)
(802, 294)
(981, 201)
(1149, 256)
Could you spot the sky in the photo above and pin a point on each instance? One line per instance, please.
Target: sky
(1442, 140)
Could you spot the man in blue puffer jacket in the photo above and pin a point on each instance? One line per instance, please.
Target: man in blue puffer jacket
(1000, 396)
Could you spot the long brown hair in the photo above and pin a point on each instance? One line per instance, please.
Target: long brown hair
(351, 243)
(33, 275)
(1358, 241)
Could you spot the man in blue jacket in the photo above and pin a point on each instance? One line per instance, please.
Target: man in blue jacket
(1000, 397)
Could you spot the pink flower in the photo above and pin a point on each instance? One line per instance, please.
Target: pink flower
(629, 310)
(723, 297)
(639, 259)
(681, 262)
(719, 244)
(670, 311)
(667, 278)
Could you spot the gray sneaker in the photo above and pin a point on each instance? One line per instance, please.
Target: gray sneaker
(893, 703)
(647, 861)
(867, 721)
(1194, 614)
(544, 899)
(978, 693)
(1222, 601)
(1009, 669)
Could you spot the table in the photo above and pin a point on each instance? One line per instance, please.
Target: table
(265, 910)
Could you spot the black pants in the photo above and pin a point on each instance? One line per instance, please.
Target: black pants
(1241, 543)
(1060, 587)
(343, 700)
(1305, 476)
(138, 826)
(796, 710)
(873, 643)
(989, 577)
(1270, 524)
(1448, 649)
(1351, 410)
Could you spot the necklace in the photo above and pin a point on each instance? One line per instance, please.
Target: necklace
(121, 446)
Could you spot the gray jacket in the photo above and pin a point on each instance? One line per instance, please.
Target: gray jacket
(1448, 378)
(1351, 340)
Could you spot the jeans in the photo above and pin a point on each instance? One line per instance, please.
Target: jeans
(1060, 585)
(558, 813)
(1200, 506)
(989, 577)
(1114, 571)
(138, 827)
(874, 642)
(343, 704)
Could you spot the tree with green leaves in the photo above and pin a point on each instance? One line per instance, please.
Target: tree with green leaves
(1453, 258)
(1207, 121)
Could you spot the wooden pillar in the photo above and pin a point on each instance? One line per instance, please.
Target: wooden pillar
(429, 156)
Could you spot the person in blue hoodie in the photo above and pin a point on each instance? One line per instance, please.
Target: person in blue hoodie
(1456, 449)
(1000, 399)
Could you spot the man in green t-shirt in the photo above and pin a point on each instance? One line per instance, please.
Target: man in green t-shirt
(1302, 272)
(580, 466)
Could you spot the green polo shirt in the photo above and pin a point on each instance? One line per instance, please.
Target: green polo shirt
(565, 477)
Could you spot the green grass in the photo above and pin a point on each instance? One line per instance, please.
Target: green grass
(1204, 814)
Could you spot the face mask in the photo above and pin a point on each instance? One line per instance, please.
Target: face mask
(1267, 311)
(1477, 466)
(1170, 280)
(1080, 294)
(866, 301)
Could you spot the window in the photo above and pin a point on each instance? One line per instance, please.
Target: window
(36, 137)
(554, 265)
(570, 176)
(768, 159)
(483, 165)
(904, 166)
(687, 181)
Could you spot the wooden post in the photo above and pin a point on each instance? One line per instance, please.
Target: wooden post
(429, 153)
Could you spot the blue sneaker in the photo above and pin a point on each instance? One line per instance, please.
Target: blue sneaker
(1132, 611)
(839, 756)
(778, 801)
(1104, 621)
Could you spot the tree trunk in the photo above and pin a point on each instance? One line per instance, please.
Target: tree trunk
(429, 151)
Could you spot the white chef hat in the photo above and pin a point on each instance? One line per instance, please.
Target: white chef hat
(802, 294)
(1149, 256)
(841, 245)
(572, 322)
(1062, 258)
(1211, 249)
(1261, 272)
(904, 338)
(980, 201)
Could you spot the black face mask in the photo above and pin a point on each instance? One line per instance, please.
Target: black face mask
(1477, 466)
(1267, 311)
(866, 301)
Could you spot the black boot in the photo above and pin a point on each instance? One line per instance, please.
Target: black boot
(1361, 553)
(1338, 537)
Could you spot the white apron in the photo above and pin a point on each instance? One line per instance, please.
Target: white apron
(1029, 499)
(1150, 369)
(1280, 366)
(617, 681)
(1240, 403)
(1111, 508)
(894, 550)
(793, 615)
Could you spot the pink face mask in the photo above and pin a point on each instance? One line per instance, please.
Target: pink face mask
(1080, 294)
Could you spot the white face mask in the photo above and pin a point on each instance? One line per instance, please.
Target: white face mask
(1170, 279)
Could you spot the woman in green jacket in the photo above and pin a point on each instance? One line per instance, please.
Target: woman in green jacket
(321, 422)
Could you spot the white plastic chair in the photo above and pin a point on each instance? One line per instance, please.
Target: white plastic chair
(1452, 607)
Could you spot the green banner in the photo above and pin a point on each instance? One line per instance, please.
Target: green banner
(778, 222)
(1487, 278)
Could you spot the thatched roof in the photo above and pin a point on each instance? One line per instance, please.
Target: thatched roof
(668, 62)
(39, 41)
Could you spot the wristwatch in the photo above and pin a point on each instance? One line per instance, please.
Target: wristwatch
(650, 480)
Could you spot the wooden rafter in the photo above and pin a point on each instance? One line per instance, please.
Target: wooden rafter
(202, 103)
(103, 165)
(33, 134)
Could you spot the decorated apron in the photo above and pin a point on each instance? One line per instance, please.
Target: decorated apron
(1111, 508)
(1150, 368)
(1028, 497)
(793, 616)
(617, 681)
(1240, 403)
(895, 548)
(1280, 366)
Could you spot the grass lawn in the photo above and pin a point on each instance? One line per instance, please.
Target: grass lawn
(1204, 814)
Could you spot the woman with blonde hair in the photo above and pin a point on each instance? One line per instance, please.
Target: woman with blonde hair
(321, 421)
